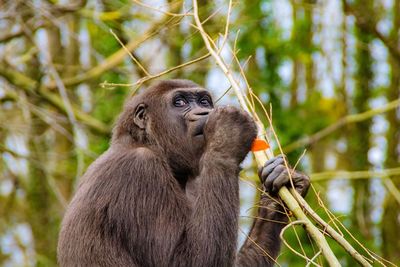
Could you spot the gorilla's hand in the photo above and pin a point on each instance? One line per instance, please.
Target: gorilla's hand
(230, 132)
(274, 175)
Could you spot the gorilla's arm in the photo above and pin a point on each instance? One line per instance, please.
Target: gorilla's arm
(263, 244)
(213, 224)
(212, 227)
(127, 212)
(159, 226)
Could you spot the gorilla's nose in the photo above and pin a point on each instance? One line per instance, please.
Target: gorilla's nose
(199, 115)
(202, 113)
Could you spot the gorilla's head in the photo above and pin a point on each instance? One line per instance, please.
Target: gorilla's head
(169, 116)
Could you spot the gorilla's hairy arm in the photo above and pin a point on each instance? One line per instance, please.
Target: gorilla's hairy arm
(166, 192)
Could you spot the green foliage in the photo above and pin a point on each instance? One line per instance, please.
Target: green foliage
(282, 72)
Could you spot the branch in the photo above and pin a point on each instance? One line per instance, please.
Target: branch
(154, 76)
(332, 232)
(292, 249)
(354, 118)
(322, 176)
(118, 56)
(365, 23)
(30, 86)
(284, 193)
(14, 34)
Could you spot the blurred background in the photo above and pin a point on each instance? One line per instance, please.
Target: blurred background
(329, 69)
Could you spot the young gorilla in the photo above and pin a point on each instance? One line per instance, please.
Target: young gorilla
(166, 192)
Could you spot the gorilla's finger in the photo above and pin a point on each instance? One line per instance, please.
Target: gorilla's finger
(268, 162)
(280, 181)
(301, 183)
(272, 160)
(272, 176)
(266, 171)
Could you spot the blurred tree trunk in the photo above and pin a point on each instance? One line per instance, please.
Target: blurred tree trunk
(43, 219)
(390, 219)
(358, 134)
(308, 36)
(64, 60)
(67, 62)
(175, 45)
(343, 98)
(196, 42)
(294, 85)
(316, 152)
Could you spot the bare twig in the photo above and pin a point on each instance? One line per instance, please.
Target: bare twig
(343, 242)
(119, 56)
(151, 77)
(161, 11)
(262, 157)
(391, 187)
(30, 86)
(292, 249)
(129, 53)
(260, 248)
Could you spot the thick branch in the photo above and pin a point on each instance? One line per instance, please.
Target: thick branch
(354, 118)
(284, 193)
(321, 176)
(332, 232)
(116, 58)
(364, 22)
(27, 84)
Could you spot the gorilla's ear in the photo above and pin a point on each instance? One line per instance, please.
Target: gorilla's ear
(140, 118)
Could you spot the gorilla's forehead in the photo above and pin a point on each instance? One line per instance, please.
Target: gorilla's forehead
(192, 91)
(166, 89)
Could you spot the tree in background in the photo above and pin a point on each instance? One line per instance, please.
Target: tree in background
(315, 62)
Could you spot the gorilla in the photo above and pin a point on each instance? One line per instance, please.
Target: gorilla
(166, 192)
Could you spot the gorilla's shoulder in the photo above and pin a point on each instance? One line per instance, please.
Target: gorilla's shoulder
(143, 153)
(134, 157)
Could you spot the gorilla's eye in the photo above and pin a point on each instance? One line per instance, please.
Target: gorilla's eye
(180, 102)
(205, 102)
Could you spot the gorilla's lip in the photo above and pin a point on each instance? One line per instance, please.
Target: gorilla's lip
(198, 126)
(198, 129)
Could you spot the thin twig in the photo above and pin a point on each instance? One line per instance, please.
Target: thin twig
(130, 54)
(292, 249)
(391, 187)
(259, 247)
(117, 57)
(343, 242)
(262, 157)
(151, 77)
(161, 11)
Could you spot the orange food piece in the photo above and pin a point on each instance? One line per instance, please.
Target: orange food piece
(259, 144)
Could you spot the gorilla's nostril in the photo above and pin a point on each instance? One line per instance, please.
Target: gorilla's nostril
(203, 113)
(198, 115)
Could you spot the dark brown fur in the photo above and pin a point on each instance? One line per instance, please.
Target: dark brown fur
(157, 198)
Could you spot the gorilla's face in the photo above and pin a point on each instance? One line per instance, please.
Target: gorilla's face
(185, 113)
(188, 111)
(171, 120)
(190, 108)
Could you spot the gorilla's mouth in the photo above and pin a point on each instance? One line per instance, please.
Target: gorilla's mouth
(199, 129)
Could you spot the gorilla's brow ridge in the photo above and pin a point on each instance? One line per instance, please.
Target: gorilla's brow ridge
(199, 92)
